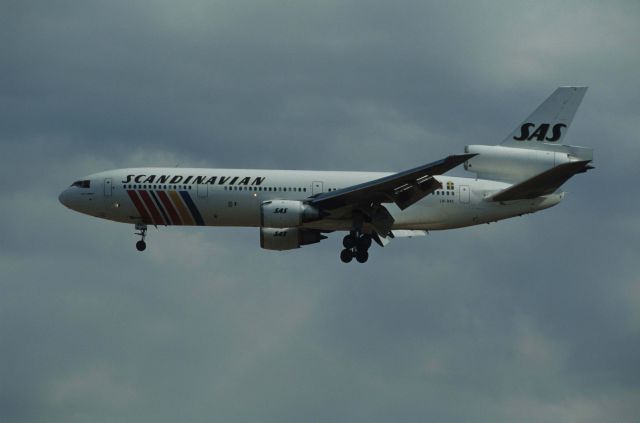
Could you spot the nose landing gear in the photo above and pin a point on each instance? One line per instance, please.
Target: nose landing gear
(142, 231)
(355, 245)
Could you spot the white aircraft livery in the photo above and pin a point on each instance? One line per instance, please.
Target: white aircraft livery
(292, 208)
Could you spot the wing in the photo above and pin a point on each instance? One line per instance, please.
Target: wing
(403, 188)
(543, 183)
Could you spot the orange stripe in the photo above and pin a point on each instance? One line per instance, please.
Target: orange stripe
(184, 213)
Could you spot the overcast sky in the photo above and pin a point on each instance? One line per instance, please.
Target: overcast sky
(535, 319)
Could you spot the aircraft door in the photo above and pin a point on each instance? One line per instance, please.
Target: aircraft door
(464, 194)
(108, 187)
(316, 187)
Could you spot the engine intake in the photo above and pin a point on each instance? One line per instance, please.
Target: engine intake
(286, 213)
(288, 238)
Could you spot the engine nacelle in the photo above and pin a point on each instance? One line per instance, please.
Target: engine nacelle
(286, 213)
(288, 238)
(511, 164)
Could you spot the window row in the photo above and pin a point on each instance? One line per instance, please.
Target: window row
(441, 192)
(156, 186)
(226, 188)
(271, 189)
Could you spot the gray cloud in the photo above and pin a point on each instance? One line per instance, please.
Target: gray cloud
(532, 319)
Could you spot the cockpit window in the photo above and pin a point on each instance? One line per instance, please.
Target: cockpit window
(82, 184)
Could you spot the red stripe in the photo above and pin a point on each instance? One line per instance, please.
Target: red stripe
(169, 207)
(157, 218)
(139, 206)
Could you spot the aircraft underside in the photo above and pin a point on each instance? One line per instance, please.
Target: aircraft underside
(446, 210)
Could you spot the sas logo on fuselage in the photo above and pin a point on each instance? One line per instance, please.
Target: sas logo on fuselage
(540, 133)
(280, 210)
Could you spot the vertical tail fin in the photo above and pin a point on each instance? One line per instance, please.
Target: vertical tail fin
(549, 123)
(536, 145)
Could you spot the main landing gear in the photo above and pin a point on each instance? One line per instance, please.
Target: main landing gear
(142, 231)
(355, 245)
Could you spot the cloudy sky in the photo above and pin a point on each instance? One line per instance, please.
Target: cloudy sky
(536, 319)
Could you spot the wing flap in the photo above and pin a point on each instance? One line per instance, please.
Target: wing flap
(542, 184)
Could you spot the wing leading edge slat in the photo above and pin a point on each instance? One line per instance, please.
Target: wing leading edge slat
(403, 188)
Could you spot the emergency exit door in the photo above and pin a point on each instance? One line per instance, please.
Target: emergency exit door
(316, 187)
(108, 187)
(464, 194)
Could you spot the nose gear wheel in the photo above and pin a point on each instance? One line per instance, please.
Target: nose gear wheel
(142, 232)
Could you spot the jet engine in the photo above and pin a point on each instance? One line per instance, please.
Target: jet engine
(286, 213)
(288, 238)
(511, 164)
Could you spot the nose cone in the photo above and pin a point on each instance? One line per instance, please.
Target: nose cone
(64, 198)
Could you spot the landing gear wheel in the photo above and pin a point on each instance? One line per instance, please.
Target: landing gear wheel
(364, 242)
(346, 256)
(348, 242)
(142, 231)
(362, 256)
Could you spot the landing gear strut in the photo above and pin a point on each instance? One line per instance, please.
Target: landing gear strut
(142, 231)
(355, 245)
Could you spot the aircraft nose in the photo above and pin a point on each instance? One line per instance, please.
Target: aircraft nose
(64, 198)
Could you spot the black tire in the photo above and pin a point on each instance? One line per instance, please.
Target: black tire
(364, 242)
(348, 242)
(346, 256)
(141, 245)
(362, 256)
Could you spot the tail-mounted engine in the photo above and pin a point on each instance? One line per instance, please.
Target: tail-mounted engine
(287, 213)
(512, 164)
(288, 238)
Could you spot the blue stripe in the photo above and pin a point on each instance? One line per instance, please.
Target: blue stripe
(192, 207)
(164, 214)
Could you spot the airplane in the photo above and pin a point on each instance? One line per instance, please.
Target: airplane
(293, 208)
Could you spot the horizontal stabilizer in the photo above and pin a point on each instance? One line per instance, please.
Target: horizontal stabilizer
(542, 184)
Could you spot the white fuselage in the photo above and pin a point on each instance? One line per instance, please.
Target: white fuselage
(233, 197)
